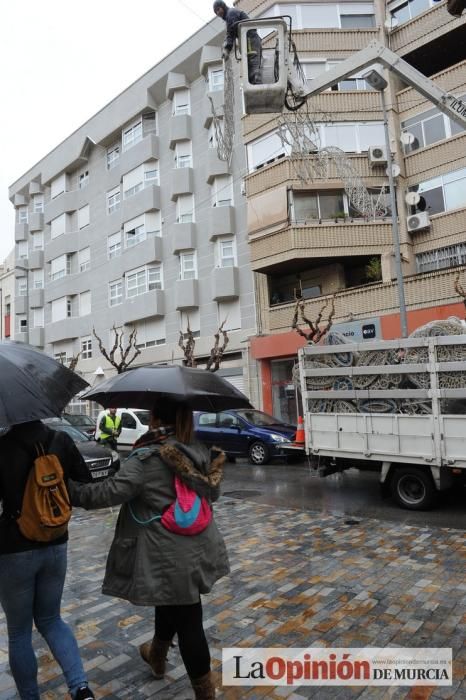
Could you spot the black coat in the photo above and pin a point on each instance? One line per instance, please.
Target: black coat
(232, 17)
(17, 453)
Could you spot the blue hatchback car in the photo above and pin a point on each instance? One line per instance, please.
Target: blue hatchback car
(245, 433)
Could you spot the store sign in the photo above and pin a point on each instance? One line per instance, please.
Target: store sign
(357, 331)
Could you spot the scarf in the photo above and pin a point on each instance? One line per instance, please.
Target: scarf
(156, 436)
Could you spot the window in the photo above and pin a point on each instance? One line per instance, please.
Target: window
(429, 127)
(212, 135)
(313, 69)
(132, 134)
(149, 123)
(114, 245)
(191, 318)
(60, 267)
(215, 79)
(208, 420)
(58, 186)
(84, 259)
(22, 249)
(113, 155)
(83, 216)
(151, 173)
(22, 287)
(188, 266)
(86, 347)
(57, 226)
(144, 279)
(38, 318)
(22, 323)
(83, 179)
(185, 209)
(442, 193)
(133, 181)
(441, 258)
(230, 313)
(22, 215)
(226, 252)
(38, 203)
(265, 150)
(150, 333)
(222, 191)
(115, 293)
(351, 15)
(181, 102)
(134, 235)
(61, 309)
(84, 303)
(328, 204)
(404, 10)
(38, 240)
(37, 279)
(183, 154)
(113, 200)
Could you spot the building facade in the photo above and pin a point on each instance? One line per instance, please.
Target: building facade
(306, 239)
(133, 222)
(7, 296)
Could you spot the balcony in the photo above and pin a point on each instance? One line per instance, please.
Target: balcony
(143, 253)
(175, 81)
(21, 305)
(147, 149)
(21, 337)
(62, 204)
(182, 182)
(421, 291)
(186, 294)
(36, 298)
(68, 329)
(36, 259)
(210, 56)
(36, 337)
(324, 240)
(21, 232)
(423, 29)
(147, 199)
(64, 244)
(183, 237)
(35, 188)
(225, 283)
(221, 221)
(436, 159)
(36, 221)
(180, 129)
(144, 306)
(215, 166)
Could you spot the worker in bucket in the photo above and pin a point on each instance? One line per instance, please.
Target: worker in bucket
(232, 16)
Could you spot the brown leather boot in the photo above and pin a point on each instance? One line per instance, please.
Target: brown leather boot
(204, 688)
(154, 653)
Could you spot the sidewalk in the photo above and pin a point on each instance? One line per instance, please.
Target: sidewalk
(298, 579)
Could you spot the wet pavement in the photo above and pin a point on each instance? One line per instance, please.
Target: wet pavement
(303, 574)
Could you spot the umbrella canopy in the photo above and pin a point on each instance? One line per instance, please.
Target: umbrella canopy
(32, 384)
(142, 387)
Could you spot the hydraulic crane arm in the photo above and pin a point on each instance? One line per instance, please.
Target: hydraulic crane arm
(377, 53)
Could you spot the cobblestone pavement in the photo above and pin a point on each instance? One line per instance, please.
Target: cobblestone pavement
(298, 579)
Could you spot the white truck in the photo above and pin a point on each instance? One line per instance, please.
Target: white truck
(397, 407)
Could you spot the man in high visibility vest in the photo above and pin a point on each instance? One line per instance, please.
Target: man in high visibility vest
(232, 16)
(110, 428)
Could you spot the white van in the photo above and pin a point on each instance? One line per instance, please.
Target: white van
(134, 423)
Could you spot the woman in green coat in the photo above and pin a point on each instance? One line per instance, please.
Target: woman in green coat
(149, 565)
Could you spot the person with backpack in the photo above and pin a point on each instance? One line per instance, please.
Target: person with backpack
(33, 567)
(166, 550)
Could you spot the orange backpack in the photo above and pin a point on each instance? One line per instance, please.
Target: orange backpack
(46, 507)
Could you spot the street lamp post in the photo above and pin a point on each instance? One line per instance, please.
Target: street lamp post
(379, 83)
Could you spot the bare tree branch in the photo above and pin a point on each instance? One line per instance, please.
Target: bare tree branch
(216, 353)
(188, 347)
(74, 361)
(124, 362)
(459, 289)
(315, 333)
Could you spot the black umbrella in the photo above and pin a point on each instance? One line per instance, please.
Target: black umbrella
(142, 387)
(32, 384)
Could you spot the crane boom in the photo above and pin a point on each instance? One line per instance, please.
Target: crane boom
(377, 53)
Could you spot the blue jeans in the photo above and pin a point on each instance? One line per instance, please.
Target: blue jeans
(31, 587)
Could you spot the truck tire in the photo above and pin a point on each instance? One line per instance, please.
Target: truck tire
(259, 453)
(413, 488)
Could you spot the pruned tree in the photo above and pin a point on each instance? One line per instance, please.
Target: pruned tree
(315, 333)
(216, 353)
(125, 356)
(459, 289)
(71, 363)
(187, 343)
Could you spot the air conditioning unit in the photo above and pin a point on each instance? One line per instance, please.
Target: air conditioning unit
(377, 155)
(416, 222)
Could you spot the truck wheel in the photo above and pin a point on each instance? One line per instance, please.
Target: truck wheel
(258, 453)
(413, 488)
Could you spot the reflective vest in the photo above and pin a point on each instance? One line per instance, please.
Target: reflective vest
(110, 424)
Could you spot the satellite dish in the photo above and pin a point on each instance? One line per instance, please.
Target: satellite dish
(412, 198)
(396, 170)
(407, 138)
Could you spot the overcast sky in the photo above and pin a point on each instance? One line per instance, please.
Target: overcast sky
(62, 60)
